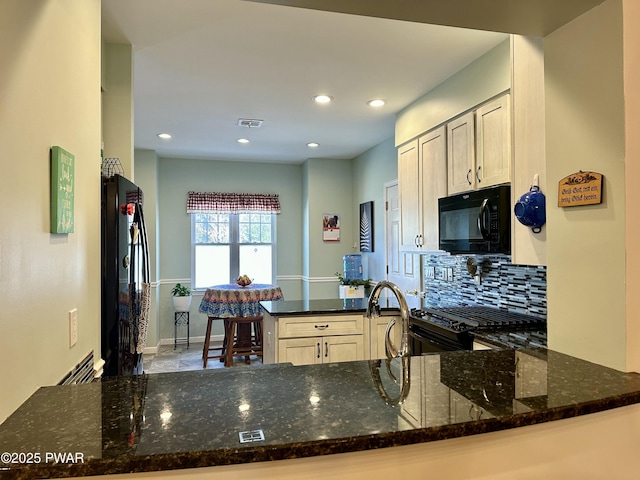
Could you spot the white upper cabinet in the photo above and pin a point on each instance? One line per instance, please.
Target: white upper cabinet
(493, 141)
(434, 183)
(409, 188)
(461, 154)
(478, 147)
(422, 174)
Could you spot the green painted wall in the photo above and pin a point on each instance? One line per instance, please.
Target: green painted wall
(305, 263)
(146, 170)
(371, 171)
(482, 79)
(329, 190)
(176, 177)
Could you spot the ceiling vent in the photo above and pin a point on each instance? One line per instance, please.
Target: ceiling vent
(249, 122)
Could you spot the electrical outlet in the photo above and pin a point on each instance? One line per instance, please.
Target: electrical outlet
(73, 327)
(441, 274)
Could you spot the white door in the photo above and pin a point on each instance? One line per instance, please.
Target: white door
(403, 268)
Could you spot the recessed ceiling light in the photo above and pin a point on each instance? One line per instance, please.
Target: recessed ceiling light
(243, 140)
(313, 145)
(376, 102)
(322, 98)
(164, 136)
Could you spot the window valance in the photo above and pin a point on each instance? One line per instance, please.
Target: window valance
(218, 202)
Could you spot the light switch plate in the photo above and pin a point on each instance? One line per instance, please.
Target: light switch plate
(430, 272)
(449, 274)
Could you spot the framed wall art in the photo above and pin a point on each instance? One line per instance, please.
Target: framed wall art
(330, 227)
(366, 227)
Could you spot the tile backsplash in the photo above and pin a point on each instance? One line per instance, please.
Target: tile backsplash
(516, 288)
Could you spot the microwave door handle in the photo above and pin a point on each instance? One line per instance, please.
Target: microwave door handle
(482, 226)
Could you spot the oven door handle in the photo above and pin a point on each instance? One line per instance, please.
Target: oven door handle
(484, 220)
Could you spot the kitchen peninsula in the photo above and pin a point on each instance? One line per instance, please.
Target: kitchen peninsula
(305, 332)
(490, 412)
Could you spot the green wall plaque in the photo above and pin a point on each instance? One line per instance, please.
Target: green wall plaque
(62, 191)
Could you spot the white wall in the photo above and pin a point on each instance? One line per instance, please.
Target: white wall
(585, 131)
(631, 48)
(49, 95)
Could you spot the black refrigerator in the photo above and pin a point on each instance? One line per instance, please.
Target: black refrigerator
(125, 277)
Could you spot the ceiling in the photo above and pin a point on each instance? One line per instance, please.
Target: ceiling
(198, 70)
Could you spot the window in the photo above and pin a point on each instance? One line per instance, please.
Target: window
(232, 234)
(227, 245)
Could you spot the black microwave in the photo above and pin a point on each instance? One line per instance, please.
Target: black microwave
(476, 222)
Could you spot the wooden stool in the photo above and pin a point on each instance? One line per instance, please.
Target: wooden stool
(246, 342)
(207, 339)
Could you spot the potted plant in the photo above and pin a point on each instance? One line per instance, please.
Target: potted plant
(181, 298)
(353, 287)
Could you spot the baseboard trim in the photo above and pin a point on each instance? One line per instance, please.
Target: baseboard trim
(198, 339)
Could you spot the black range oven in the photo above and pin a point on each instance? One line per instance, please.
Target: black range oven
(444, 329)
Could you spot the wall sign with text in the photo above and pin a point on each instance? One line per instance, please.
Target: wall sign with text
(62, 190)
(581, 188)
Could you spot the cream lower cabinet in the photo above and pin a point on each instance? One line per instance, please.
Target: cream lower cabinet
(307, 340)
(378, 330)
(308, 351)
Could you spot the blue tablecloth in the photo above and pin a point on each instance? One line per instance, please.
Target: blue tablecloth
(232, 300)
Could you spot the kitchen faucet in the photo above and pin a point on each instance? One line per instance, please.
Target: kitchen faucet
(373, 308)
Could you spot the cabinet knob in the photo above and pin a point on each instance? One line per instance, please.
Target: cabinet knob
(326, 349)
(322, 327)
(318, 344)
(468, 179)
(478, 174)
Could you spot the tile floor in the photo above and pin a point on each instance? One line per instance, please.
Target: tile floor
(182, 359)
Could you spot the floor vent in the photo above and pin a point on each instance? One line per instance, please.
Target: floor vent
(251, 436)
(81, 373)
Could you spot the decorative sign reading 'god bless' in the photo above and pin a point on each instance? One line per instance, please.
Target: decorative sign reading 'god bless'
(582, 188)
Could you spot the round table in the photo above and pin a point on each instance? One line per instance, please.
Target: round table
(232, 301)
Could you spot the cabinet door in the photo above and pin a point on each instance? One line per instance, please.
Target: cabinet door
(461, 154)
(409, 191)
(378, 331)
(433, 163)
(493, 140)
(344, 348)
(300, 351)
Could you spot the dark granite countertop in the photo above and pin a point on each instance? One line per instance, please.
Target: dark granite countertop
(316, 307)
(193, 419)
